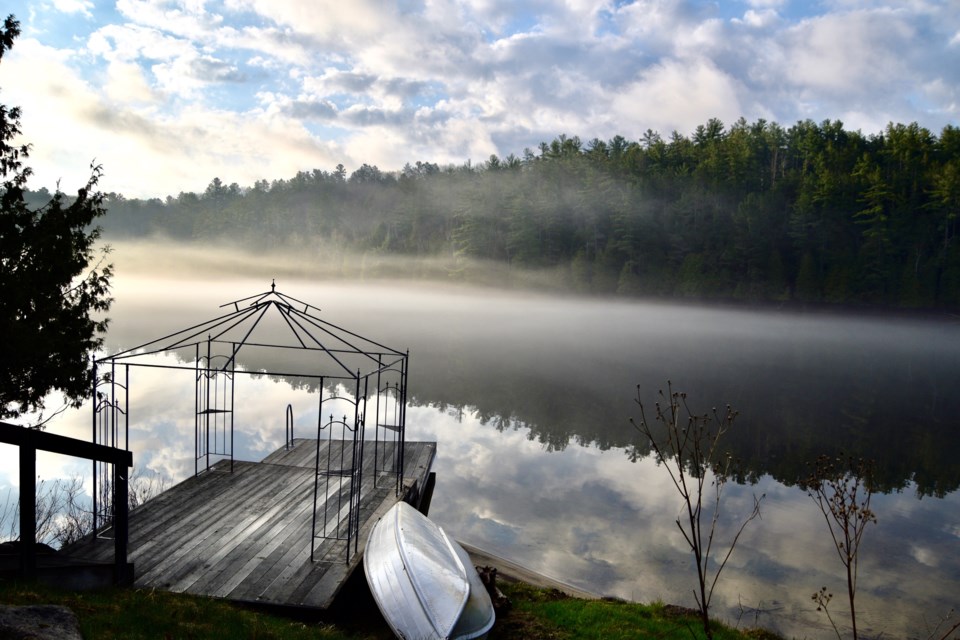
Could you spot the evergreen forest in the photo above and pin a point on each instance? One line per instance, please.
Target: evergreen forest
(813, 213)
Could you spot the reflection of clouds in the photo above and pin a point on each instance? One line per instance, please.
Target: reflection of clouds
(602, 494)
(594, 519)
(923, 555)
(76, 424)
(9, 467)
(161, 422)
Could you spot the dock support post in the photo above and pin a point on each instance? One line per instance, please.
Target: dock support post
(28, 508)
(121, 526)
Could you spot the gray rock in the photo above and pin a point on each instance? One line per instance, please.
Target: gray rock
(38, 622)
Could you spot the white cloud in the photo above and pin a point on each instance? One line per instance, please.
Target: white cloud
(126, 84)
(188, 75)
(74, 6)
(656, 25)
(676, 95)
(55, 103)
(330, 21)
(459, 79)
(760, 19)
(146, 151)
(189, 20)
(278, 47)
(846, 53)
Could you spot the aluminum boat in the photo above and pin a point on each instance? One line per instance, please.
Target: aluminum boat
(423, 581)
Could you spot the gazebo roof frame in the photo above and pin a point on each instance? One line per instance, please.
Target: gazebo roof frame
(308, 330)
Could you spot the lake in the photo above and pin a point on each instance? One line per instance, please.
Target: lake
(529, 397)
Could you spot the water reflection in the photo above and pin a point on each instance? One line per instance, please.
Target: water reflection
(528, 397)
(595, 519)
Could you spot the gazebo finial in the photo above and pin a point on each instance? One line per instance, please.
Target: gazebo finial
(273, 285)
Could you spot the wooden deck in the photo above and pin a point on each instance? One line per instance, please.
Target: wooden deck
(245, 535)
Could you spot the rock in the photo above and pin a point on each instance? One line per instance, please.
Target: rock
(38, 622)
(488, 576)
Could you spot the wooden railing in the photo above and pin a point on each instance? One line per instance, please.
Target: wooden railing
(32, 440)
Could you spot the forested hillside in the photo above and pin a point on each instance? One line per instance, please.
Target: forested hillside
(751, 211)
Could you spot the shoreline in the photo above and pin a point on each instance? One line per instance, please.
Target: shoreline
(511, 571)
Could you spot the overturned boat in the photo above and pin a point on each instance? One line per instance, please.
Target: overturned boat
(423, 581)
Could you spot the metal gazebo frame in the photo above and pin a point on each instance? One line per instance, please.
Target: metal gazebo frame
(346, 367)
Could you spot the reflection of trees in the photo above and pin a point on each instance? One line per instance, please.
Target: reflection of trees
(796, 400)
(791, 409)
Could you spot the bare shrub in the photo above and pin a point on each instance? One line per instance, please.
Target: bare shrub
(142, 487)
(841, 487)
(64, 513)
(687, 446)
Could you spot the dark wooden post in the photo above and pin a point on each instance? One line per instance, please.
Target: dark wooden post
(120, 525)
(29, 440)
(28, 507)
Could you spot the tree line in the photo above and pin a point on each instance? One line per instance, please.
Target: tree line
(752, 211)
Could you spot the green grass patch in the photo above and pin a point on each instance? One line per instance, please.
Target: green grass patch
(550, 614)
(135, 614)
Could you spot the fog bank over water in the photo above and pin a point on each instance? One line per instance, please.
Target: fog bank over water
(567, 369)
(326, 261)
(528, 396)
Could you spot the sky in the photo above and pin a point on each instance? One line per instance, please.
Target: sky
(168, 94)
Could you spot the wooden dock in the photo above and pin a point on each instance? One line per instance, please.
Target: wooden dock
(245, 535)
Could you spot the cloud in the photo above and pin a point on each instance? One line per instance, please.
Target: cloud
(131, 42)
(328, 22)
(54, 103)
(182, 19)
(147, 149)
(126, 83)
(187, 77)
(213, 70)
(74, 6)
(322, 110)
(836, 55)
(675, 95)
(760, 19)
(335, 81)
(657, 25)
(864, 65)
(278, 47)
(434, 80)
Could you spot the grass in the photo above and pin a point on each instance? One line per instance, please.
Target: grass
(128, 614)
(544, 613)
(133, 614)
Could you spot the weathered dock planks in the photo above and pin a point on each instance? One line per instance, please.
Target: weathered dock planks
(245, 535)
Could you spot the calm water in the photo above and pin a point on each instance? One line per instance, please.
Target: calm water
(529, 398)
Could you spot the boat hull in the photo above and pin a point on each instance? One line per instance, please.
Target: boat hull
(423, 581)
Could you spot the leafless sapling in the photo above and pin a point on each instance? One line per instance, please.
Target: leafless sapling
(687, 445)
(842, 487)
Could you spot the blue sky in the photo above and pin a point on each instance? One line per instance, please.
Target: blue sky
(168, 94)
